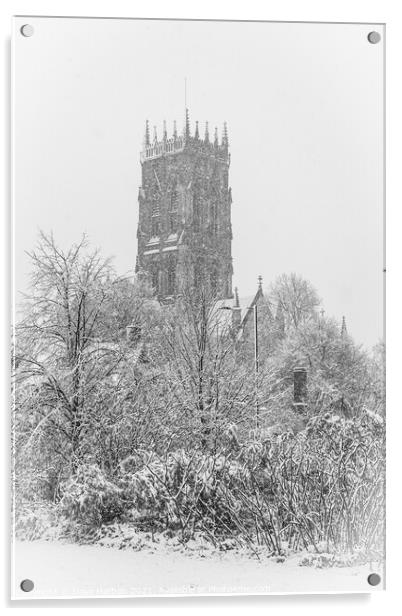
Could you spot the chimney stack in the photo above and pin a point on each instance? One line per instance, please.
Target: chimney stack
(300, 388)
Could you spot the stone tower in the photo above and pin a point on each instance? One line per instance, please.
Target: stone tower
(184, 228)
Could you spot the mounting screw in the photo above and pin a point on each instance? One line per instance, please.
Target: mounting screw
(374, 579)
(374, 37)
(27, 585)
(26, 30)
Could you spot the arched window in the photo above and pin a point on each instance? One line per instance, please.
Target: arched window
(196, 212)
(172, 223)
(214, 281)
(171, 277)
(155, 278)
(174, 199)
(155, 206)
(173, 209)
(213, 218)
(155, 226)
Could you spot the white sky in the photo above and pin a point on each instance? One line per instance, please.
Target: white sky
(304, 108)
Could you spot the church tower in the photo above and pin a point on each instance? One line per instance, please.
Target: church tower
(184, 228)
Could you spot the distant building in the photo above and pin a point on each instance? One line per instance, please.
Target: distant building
(241, 315)
(184, 228)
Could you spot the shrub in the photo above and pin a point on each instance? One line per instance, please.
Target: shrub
(35, 521)
(89, 498)
(321, 489)
(184, 492)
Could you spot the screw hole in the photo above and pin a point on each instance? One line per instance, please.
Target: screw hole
(27, 585)
(27, 30)
(374, 37)
(374, 579)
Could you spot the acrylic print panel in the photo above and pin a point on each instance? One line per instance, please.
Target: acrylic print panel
(198, 371)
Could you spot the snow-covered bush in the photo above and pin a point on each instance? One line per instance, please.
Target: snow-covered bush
(185, 492)
(321, 489)
(89, 498)
(35, 521)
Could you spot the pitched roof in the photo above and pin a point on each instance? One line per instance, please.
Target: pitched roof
(224, 308)
(226, 305)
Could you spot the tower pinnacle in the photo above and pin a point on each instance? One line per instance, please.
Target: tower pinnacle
(225, 140)
(147, 140)
(187, 124)
(206, 138)
(344, 330)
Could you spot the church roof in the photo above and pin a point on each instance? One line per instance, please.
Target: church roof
(226, 305)
(225, 308)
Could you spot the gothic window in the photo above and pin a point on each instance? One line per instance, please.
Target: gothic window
(173, 208)
(201, 272)
(174, 199)
(196, 212)
(155, 207)
(155, 226)
(155, 279)
(213, 218)
(171, 277)
(172, 222)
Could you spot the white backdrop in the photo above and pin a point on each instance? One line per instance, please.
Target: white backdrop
(314, 10)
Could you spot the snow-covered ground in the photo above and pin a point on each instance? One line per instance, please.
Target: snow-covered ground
(70, 570)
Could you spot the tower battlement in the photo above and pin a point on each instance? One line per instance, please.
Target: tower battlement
(177, 143)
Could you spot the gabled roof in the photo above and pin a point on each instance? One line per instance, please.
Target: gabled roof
(225, 307)
(246, 303)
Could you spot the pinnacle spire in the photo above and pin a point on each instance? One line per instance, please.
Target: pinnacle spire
(237, 302)
(164, 130)
(187, 125)
(216, 143)
(225, 140)
(206, 138)
(344, 330)
(147, 140)
(260, 283)
(174, 130)
(155, 134)
(196, 134)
